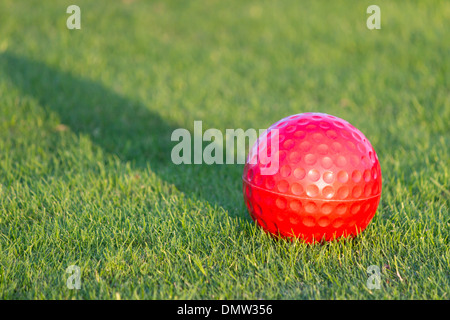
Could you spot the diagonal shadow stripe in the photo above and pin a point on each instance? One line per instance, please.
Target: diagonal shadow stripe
(122, 127)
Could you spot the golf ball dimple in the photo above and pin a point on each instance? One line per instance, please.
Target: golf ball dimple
(327, 183)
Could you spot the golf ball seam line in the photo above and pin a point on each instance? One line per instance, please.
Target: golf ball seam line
(309, 198)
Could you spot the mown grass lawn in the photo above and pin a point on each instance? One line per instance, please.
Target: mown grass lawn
(86, 116)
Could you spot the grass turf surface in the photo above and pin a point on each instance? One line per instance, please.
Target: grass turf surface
(86, 117)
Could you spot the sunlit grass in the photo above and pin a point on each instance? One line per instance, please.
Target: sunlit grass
(85, 123)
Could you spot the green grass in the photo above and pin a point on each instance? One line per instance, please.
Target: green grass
(85, 123)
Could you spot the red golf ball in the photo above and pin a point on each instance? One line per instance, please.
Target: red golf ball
(326, 182)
